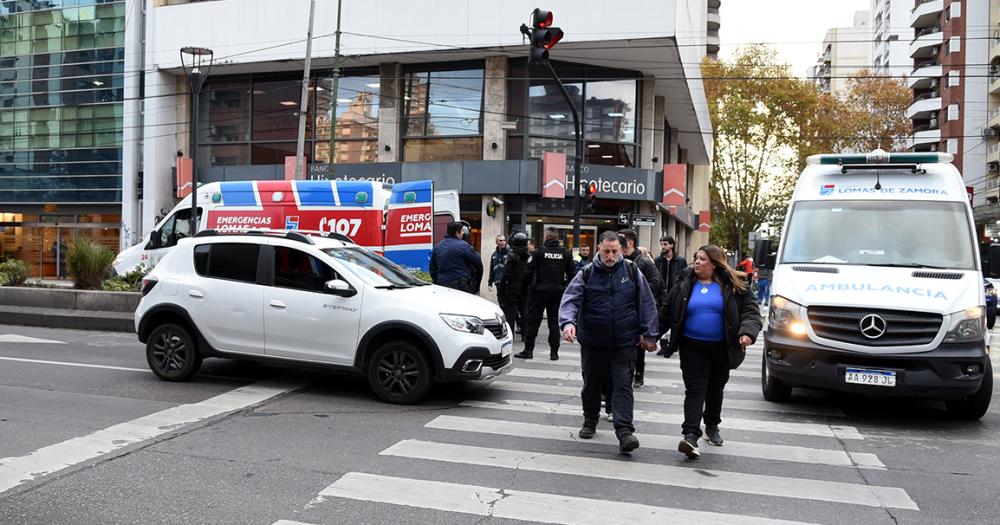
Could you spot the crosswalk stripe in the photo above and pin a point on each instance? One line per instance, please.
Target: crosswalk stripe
(536, 373)
(778, 427)
(517, 504)
(672, 399)
(777, 486)
(671, 368)
(838, 458)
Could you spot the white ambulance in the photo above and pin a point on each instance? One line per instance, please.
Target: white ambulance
(878, 288)
(402, 221)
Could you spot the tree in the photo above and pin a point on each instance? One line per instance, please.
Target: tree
(758, 110)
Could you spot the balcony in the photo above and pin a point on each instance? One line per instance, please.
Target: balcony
(923, 106)
(994, 80)
(926, 44)
(994, 120)
(926, 13)
(995, 44)
(712, 44)
(925, 138)
(714, 3)
(926, 75)
(993, 152)
(714, 20)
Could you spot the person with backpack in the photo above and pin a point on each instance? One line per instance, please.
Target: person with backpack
(713, 318)
(608, 305)
(513, 283)
(629, 238)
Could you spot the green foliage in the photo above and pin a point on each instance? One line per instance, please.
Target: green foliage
(422, 275)
(89, 263)
(13, 272)
(130, 282)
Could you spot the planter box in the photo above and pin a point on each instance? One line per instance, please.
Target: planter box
(63, 308)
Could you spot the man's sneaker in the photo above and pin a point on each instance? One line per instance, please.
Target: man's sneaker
(523, 355)
(689, 446)
(662, 351)
(638, 383)
(588, 430)
(712, 436)
(627, 443)
(610, 416)
(553, 356)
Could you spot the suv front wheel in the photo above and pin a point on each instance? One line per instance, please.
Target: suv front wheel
(399, 373)
(171, 353)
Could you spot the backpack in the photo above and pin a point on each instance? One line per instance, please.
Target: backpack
(633, 272)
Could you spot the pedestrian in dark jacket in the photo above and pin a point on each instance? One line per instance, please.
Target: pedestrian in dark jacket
(610, 308)
(670, 265)
(497, 261)
(550, 267)
(648, 269)
(583, 258)
(514, 285)
(713, 318)
(454, 263)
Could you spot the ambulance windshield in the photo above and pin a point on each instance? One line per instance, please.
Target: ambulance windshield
(918, 234)
(374, 269)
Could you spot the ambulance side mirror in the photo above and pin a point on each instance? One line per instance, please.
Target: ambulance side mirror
(154, 240)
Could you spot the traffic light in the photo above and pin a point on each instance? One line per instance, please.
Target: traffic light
(542, 35)
(592, 197)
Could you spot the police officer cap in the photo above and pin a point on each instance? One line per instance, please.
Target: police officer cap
(518, 240)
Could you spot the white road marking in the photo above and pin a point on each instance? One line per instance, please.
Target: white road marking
(808, 455)
(645, 395)
(661, 366)
(776, 427)
(611, 469)
(289, 522)
(678, 385)
(519, 505)
(81, 365)
(17, 470)
(15, 338)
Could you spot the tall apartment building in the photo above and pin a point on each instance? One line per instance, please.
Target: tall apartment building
(950, 84)
(61, 105)
(845, 51)
(890, 37)
(713, 22)
(988, 212)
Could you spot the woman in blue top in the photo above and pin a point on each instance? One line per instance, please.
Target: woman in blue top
(713, 318)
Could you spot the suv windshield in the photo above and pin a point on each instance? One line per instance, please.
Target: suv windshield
(880, 233)
(373, 268)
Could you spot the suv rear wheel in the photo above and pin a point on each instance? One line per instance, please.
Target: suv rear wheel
(975, 406)
(399, 373)
(171, 353)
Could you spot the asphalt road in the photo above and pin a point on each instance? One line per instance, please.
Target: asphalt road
(89, 435)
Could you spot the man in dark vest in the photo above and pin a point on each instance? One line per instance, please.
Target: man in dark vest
(512, 283)
(454, 263)
(611, 309)
(550, 267)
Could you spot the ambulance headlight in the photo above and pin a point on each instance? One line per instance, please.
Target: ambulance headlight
(786, 316)
(967, 325)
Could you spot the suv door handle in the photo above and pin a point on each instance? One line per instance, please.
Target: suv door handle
(196, 294)
(278, 304)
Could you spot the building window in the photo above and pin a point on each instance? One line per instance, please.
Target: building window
(608, 102)
(954, 78)
(356, 121)
(956, 9)
(953, 112)
(443, 114)
(952, 146)
(954, 44)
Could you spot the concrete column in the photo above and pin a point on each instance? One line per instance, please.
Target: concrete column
(390, 105)
(659, 112)
(494, 106)
(648, 107)
(132, 108)
(700, 196)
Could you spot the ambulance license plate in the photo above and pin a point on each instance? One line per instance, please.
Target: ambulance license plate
(864, 376)
(506, 349)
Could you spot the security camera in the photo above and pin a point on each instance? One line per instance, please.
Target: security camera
(497, 201)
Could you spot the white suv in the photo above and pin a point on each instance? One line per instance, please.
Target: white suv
(298, 298)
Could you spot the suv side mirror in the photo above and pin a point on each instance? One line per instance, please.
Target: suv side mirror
(340, 287)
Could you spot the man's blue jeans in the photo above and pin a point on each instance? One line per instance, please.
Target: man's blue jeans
(763, 290)
(596, 364)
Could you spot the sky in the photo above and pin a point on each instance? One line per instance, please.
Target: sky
(795, 28)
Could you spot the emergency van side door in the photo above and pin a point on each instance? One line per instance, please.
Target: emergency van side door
(177, 226)
(302, 319)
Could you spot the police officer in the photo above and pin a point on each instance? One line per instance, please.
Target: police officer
(454, 263)
(550, 267)
(513, 283)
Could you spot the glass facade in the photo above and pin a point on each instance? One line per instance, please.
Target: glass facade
(608, 101)
(255, 119)
(443, 113)
(61, 89)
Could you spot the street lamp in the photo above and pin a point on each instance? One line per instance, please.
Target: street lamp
(197, 64)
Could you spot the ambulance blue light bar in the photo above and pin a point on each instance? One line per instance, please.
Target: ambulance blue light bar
(878, 157)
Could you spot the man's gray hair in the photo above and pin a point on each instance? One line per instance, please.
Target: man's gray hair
(609, 236)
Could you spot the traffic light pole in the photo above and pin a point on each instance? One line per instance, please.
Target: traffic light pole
(577, 158)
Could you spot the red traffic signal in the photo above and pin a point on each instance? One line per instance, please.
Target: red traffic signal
(592, 189)
(541, 19)
(592, 197)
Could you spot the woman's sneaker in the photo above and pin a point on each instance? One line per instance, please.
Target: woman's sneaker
(689, 446)
(609, 416)
(712, 436)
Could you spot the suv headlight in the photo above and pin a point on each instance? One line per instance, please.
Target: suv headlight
(464, 323)
(967, 325)
(785, 316)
